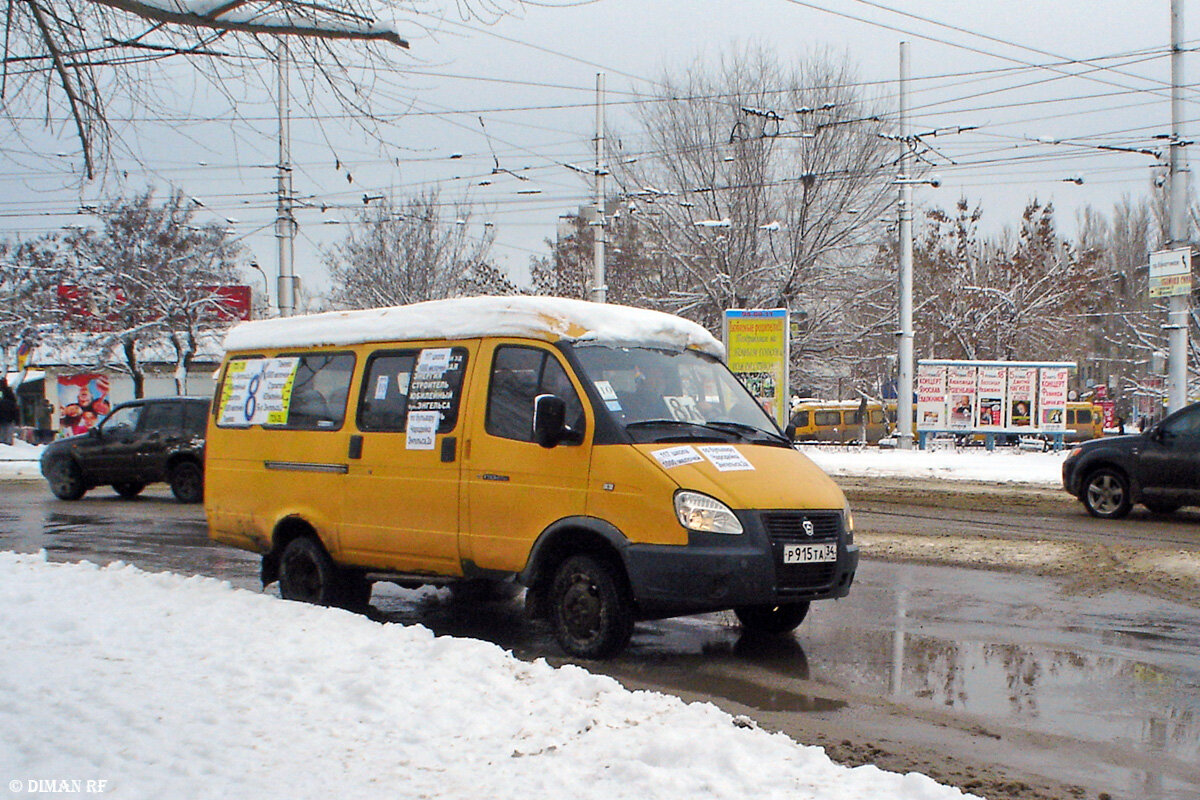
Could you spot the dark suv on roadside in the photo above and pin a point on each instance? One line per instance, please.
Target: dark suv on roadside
(1159, 468)
(137, 443)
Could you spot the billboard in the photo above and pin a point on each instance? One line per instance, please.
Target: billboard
(82, 308)
(756, 344)
(992, 396)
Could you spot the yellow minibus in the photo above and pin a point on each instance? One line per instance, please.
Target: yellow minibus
(600, 456)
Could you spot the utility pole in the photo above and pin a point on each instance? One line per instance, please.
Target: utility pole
(599, 287)
(904, 387)
(285, 222)
(1177, 319)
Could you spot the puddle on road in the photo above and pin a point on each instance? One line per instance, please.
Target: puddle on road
(1115, 670)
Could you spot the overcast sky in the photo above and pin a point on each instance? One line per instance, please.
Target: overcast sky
(530, 78)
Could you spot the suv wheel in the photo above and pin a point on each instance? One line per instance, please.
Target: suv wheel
(187, 482)
(1106, 494)
(66, 479)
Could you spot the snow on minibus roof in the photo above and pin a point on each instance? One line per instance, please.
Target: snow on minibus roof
(549, 318)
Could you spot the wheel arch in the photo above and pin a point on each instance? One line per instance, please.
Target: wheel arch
(567, 537)
(175, 459)
(286, 531)
(1107, 461)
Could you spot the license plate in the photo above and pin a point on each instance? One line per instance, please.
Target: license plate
(809, 553)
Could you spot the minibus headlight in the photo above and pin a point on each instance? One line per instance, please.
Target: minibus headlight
(699, 512)
(848, 523)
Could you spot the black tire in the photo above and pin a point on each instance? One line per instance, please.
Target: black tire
(187, 482)
(1161, 508)
(776, 619)
(1106, 494)
(307, 574)
(590, 608)
(128, 489)
(66, 479)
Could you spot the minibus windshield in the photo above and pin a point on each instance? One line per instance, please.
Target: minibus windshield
(666, 396)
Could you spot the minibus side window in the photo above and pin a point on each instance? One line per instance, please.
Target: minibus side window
(391, 389)
(319, 391)
(384, 403)
(827, 418)
(519, 374)
(801, 419)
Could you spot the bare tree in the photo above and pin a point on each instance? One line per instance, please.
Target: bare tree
(1021, 296)
(30, 273)
(150, 276)
(76, 57)
(748, 184)
(397, 254)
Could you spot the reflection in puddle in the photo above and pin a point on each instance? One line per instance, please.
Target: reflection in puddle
(1117, 669)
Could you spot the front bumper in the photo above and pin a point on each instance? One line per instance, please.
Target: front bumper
(717, 571)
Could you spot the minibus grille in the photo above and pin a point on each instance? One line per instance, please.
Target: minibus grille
(787, 527)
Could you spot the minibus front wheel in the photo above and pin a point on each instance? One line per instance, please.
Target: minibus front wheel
(774, 619)
(590, 607)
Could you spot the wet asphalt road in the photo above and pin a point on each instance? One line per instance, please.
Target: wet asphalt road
(1000, 683)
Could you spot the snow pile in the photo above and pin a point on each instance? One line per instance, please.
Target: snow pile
(549, 318)
(1006, 465)
(166, 686)
(20, 460)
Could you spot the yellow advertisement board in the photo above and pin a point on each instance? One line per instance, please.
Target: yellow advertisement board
(756, 343)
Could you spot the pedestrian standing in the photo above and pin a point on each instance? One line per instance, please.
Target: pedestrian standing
(8, 412)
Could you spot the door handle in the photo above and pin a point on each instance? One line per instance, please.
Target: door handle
(356, 446)
(449, 449)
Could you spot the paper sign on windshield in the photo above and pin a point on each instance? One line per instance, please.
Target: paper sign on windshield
(683, 409)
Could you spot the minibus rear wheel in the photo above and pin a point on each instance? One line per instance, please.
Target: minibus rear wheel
(308, 574)
(590, 608)
(782, 618)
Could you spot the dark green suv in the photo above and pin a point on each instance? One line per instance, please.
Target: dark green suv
(141, 442)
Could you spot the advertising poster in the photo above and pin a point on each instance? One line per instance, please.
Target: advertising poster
(756, 343)
(960, 385)
(82, 401)
(1022, 387)
(1052, 394)
(991, 386)
(931, 397)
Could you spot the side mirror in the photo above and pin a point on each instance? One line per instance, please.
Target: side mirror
(790, 430)
(549, 420)
(94, 433)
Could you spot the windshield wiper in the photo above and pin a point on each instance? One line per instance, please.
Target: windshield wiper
(724, 427)
(743, 428)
